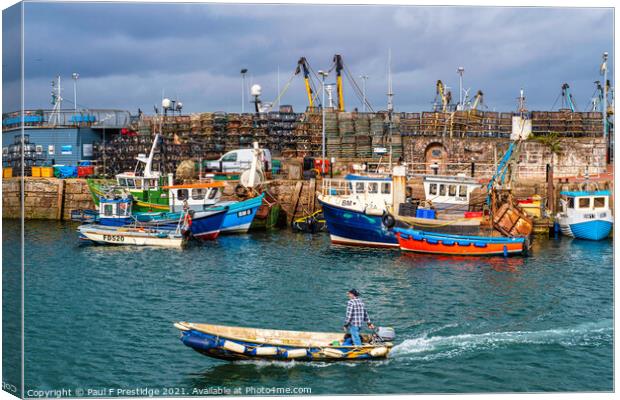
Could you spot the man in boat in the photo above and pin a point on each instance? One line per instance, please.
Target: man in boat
(356, 315)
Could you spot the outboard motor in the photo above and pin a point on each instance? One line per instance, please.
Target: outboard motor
(385, 334)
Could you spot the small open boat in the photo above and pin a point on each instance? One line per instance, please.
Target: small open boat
(136, 236)
(439, 243)
(236, 343)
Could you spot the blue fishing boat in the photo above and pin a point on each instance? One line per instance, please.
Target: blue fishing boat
(354, 208)
(348, 226)
(115, 211)
(204, 225)
(239, 215)
(585, 214)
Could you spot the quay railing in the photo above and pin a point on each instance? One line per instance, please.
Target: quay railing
(91, 118)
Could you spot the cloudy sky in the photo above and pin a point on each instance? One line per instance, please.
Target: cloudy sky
(127, 54)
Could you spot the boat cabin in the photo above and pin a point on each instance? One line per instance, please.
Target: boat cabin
(375, 188)
(449, 193)
(115, 211)
(197, 197)
(131, 181)
(589, 204)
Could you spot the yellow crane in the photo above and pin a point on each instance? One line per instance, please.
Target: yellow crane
(339, 66)
(444, 96)
(302, 66)
(477, 100)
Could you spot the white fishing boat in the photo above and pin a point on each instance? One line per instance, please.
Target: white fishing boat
(134, 236)
(585, 214)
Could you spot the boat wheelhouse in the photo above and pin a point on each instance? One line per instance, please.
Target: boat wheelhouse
(449, 194)
(197, 196)
(585, 214)
(115, 211)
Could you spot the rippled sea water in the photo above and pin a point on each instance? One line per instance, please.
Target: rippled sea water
(101, 317)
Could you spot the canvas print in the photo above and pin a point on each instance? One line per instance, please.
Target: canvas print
(306, 199)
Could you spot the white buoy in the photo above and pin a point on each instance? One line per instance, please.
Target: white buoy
(296, 353)
(379, 352)
(266, 351)
(234, 347)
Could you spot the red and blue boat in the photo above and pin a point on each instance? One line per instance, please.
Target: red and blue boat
(439, 243)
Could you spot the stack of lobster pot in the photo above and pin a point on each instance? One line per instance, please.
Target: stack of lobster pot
(332, 135)
(314, 121)
(395, 140)
(260, 131)
(363, 144)
(347, 135)
(220, 120)
(377, 133)
(232, 132)
(246, 135)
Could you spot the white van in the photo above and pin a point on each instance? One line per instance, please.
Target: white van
(238, 161)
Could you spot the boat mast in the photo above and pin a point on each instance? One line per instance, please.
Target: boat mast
(390, 103)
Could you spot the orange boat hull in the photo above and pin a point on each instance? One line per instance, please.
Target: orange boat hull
(423, 246)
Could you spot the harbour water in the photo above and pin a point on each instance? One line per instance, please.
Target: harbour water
(101, 317)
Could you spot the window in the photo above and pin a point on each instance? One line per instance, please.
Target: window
(108, 210)
(432, 189)
(373, 187)
(599, 202)
(359, 187)
(39, 149)
(131, 183)
(230, 157)
(452, 190)
(442, 190)
(5, 150)
(213, 193)
(50, 149)
(436, 153)
(122, 209)
(182, 194)
(350, 187)
(571, 202)
(584, 202)
(198, 194)
(462, 191)
(122, 182)
(386, 188)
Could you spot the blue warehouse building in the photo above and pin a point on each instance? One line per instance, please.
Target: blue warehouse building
(63, 137)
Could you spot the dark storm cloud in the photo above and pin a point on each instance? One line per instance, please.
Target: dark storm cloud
(127, 53)
(11, 58)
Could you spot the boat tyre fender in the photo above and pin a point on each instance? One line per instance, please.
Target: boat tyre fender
(388, 220)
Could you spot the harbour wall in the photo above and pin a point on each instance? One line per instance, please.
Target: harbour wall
(53, 199)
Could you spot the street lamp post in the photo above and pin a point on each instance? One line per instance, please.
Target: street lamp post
(323, 75)
(75, 77)
(243, 72)
(460, 71)
(364, 78)
(604, 68)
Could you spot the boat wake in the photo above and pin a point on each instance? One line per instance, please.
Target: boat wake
(429, 347)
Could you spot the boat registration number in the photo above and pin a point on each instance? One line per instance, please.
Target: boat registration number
(114, 238)
(244, 213)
